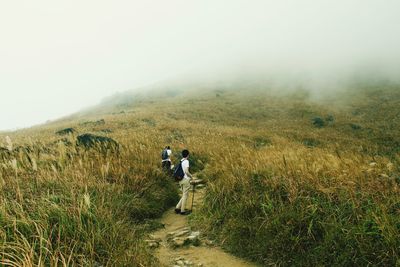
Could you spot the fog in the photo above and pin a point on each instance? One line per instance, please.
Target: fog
(57, 57)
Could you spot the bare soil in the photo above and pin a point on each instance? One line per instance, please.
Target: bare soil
(205, 255)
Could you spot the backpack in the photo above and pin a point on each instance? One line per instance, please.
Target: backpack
(178, 172)
(164, 154)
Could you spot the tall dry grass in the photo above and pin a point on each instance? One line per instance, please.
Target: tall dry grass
(64, 206)
(277, 199)
(280, 190)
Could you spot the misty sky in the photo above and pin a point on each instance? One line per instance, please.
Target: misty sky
(57, 57)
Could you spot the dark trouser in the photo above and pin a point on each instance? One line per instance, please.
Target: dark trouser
(166, 165)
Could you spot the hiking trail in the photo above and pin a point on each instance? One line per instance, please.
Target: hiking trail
(177, 245)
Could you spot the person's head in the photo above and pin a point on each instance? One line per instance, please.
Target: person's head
(168, 147)
(185, 153)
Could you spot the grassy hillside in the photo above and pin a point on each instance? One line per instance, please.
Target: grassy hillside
(291, 180)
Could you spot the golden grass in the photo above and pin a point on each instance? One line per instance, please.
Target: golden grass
(279, 188)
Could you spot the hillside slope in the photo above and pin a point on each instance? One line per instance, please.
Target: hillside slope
(291, 180)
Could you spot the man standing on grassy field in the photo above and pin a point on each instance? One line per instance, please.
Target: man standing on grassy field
(184, 184)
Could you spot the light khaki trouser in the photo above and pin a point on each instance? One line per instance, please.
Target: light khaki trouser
(185, 187)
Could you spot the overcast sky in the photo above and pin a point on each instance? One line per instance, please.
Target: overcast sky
(57, 57)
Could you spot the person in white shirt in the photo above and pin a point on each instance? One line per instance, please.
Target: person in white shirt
(166, 158)
(184, 184)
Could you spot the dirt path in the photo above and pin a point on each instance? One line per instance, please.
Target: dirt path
(176, 245)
